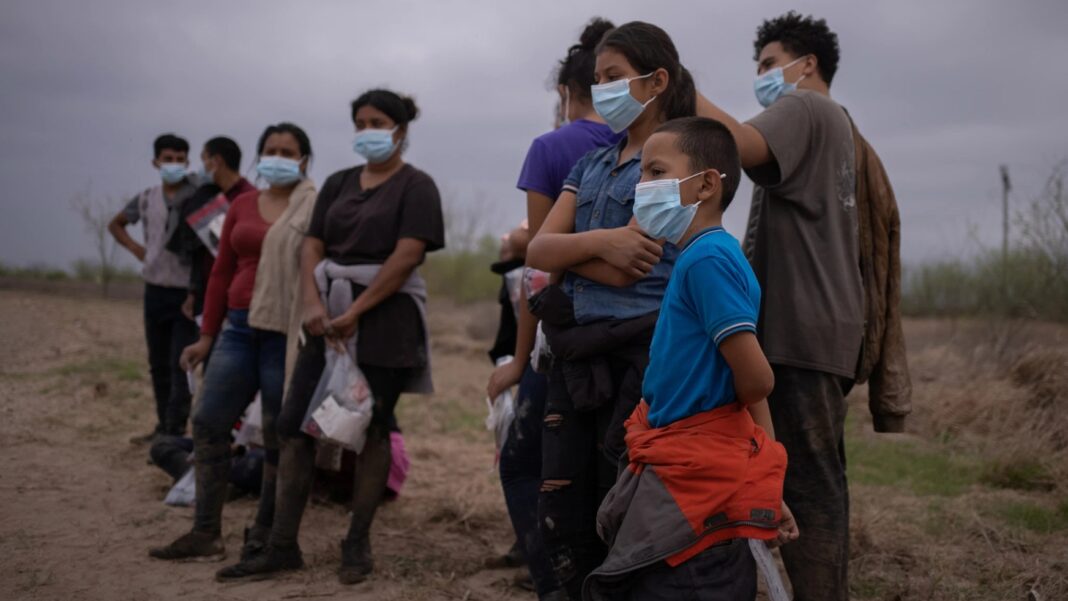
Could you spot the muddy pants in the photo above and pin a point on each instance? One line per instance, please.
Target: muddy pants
(296, 466)
(808, 410)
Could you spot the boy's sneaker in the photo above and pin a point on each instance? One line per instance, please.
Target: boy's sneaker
(192, 546)
(267, 564)
(356, 562)
(256, 537)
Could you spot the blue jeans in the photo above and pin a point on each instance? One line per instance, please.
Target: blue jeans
(520, 469)
(245, 360)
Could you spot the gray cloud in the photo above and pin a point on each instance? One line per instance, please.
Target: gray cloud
(945, 92)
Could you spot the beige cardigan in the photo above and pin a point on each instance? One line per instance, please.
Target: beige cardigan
(276, 302)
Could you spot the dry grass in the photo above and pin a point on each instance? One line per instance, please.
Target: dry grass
(971, 504)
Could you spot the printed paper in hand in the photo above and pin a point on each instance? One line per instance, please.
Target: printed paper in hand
(207, 222)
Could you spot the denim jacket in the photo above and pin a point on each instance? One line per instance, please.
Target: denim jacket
(605, 200)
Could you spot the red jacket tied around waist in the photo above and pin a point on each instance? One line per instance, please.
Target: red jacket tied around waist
(701, 480)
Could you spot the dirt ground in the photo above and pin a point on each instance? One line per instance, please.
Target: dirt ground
(79, 505)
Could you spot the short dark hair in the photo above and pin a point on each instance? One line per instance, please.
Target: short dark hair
(169, 142)
(801, 36)
(575, 71)
(286, 127)
(227, 149)
(401, 109)
(709, 145)
(648, 48)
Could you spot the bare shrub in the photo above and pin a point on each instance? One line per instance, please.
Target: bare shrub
(96, 212)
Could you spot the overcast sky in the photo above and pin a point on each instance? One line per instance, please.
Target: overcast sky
(944, 94)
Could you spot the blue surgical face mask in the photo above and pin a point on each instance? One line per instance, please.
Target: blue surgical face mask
(279, 171)
(659, 210)
(172, 173)
(615, 105)
(375, 145)
(770, 86)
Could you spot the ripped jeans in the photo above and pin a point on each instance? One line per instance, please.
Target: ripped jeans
(577, 473)
(520, 469)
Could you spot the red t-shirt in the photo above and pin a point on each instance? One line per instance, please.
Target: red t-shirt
(234, 272)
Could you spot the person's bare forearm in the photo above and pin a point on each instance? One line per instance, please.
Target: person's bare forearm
(311, 253)
(752, 148)
(602, 272)
(560, 252)
(526, 332)
(762, 416)
(117, 228)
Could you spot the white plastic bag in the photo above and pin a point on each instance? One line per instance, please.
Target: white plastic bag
(184, 491)
(766, 564)
(341, 407)
(501, 412)
(251, 432)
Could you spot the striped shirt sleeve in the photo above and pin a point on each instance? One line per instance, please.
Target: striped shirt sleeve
(718, 292)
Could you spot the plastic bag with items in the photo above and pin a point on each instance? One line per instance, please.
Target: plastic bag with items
(341, 407)
(501, 412)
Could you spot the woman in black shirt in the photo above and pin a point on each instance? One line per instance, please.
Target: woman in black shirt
(383, 216)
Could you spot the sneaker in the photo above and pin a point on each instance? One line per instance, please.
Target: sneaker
(356, 562)
(255, 541)
(267, 564)
(192, 546)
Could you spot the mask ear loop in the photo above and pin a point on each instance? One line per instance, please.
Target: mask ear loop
(647, 102)
(792, 63)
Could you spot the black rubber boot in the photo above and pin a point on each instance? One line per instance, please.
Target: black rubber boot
(356, 561)
(193, 546)
(269, 563)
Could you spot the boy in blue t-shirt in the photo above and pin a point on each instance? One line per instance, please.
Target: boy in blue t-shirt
(704, 357)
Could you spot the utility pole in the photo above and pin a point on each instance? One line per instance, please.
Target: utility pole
(1006, 185)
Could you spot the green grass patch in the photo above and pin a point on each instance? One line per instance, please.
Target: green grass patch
(1019, 474)
(122, 369)
(1027, 515)
(922, 468)
(464, 275)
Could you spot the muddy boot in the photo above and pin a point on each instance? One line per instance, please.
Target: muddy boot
(211, 458)
(258, 535)
(270, 562)
(256, 538)
(193, 546)
(356, 562)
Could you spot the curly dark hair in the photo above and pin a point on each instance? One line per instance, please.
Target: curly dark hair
(801, 36)
(576, 69)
